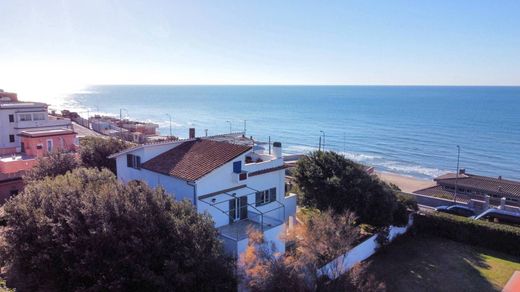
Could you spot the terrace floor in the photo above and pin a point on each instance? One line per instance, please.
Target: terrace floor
(238, 230)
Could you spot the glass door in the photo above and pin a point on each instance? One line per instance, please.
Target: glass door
(237, 209)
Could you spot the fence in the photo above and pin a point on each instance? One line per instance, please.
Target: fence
(361, 252)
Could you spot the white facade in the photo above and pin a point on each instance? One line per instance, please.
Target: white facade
(16, 117)
(222, 188)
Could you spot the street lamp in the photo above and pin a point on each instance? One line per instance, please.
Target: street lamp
(229, 126)
(457, 175)
(170, 125)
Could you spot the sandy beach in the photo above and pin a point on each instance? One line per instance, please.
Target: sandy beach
(405, 183)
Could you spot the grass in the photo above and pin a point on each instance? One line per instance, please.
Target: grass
(425, 263)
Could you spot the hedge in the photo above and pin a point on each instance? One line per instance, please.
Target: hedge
(490, 235)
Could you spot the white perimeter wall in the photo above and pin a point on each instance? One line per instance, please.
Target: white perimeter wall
(359, 253)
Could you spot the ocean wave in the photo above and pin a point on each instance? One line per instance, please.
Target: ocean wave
(410, 169)
(298, 149)
(360, 157)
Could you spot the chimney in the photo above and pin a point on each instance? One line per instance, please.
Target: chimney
(462, 171)
(277, 149)
(500, 177)
(192, 133)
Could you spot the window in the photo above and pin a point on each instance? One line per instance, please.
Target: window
(49, 145)
(11, 138)
(264, 197)
(25, 117)
(39, 146)
(11, 118)
(133, 161)
(39, 116)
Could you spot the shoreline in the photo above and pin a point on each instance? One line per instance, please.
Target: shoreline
(405, 183)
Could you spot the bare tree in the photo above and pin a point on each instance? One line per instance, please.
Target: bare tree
(320, 240)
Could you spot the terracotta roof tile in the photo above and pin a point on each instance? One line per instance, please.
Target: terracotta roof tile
(194, 159)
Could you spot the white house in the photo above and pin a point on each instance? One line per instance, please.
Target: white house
(225, 176)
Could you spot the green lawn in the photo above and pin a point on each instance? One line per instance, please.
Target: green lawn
(423, 263)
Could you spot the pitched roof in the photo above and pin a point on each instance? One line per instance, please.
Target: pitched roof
(485, 183)
(194, 159)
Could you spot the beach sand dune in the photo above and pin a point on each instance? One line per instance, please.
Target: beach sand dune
(405, 183)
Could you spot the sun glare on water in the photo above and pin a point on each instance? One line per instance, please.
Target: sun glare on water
(43, 82)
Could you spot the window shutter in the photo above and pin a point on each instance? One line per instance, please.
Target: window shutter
(138, 162)
(272, 195)
(129, 160)
(237, 166)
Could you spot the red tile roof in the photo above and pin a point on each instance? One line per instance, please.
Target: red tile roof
(483, 183)
(194, 159)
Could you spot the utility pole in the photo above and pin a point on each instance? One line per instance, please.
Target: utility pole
(170, 125)
(319, 144)
(206, 130)
(323, 139)
(457, 175)
(245, 127)
(121, 122)
(229, 126)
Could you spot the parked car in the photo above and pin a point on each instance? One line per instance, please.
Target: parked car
(500, 216)
(459, 210)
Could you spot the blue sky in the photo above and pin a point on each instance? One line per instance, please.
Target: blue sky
(68, 43)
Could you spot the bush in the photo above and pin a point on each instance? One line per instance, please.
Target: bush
(329, 180)
(94, 152)
(494, 236)
(406, 203)
(87, 231)
(55, 163)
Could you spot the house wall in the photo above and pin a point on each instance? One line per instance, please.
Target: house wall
(7, 128)
(59, 142)
(223, 178)
(16, 165)
(7, 186)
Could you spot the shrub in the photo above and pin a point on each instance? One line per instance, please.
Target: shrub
(55, 163)
(87, 231)
(405, 204)
(490, 235)
(329, 180)
(94, 152)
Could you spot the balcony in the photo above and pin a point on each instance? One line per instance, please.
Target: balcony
(235, 238)
(238, 230)
(257, 162)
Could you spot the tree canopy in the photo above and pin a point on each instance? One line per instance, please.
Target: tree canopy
(94, 152)
(329, 180)
(51, 165)
(86, 231)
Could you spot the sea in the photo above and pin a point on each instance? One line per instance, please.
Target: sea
(407, 130)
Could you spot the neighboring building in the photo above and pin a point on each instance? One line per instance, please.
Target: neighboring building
(223, 176)
(471, 186)
(132, 131)
(27, 133)
(16, 116)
